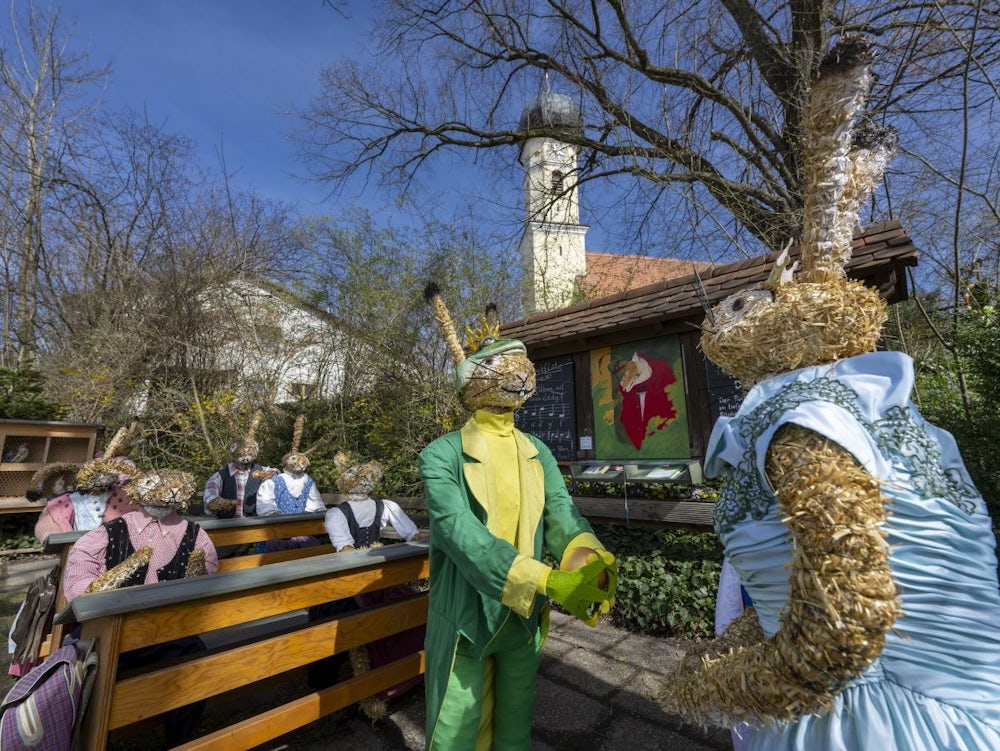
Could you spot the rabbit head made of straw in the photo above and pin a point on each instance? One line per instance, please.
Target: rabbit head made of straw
(356, 479)
(98, 475)
(819, 316)
(161, 489)
(496, 375)
(296, 462)
(245, 449)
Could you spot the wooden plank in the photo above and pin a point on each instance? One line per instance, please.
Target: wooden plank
(174, 621)
(664, 513)
(229, 531)
(158, 625)
(255, 560)
(260, 530)
(272, 724)
(412, 556)
(142, 696)
(107, 631)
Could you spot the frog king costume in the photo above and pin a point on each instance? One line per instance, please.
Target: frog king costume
(496, 502)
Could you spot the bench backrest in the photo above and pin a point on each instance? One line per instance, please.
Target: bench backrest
(155, 613)
(223, 533)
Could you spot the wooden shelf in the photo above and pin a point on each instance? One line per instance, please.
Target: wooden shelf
(41, 443)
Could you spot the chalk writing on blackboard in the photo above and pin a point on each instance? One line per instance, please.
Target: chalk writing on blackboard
(724, 392)
(551, 414)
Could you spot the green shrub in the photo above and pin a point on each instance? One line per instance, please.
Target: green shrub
(667, 580)
(22, 398)
(17, 532)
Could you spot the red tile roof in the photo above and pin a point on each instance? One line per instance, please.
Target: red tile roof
(880, 254)
(609, 273)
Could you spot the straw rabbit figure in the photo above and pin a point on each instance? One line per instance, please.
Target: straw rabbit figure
(496, 501)
(837, 496)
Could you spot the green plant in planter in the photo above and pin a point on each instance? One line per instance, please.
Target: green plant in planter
(667, 580)
(659, 491)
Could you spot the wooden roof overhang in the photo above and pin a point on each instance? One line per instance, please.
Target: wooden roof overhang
(880, 256)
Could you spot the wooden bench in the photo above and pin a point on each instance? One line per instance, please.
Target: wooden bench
(223, 533)
(156, 613)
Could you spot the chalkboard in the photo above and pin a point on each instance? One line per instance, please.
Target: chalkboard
(550, 414)
(724, 393)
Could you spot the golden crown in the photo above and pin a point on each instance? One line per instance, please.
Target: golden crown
(487, 328)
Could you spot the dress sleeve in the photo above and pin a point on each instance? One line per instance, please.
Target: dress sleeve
(266, 505)
(314, 503)
(212, 488)
(336, 527)
(49, 521)
(394, 515)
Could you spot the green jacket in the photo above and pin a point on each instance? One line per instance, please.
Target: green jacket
(477, 579)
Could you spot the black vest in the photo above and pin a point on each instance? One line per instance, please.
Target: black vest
(120, 547)
(228, 491)
(370, 534)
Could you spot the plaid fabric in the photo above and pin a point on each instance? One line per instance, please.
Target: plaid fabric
(40, 712)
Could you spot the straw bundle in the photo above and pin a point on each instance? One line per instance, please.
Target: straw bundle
(116, 578)
(842, 598)
(196, 565)
(375, 708)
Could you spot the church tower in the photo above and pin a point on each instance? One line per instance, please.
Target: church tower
(552, 247)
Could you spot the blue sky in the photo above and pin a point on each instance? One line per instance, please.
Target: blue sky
(222, 72)
(227, 73)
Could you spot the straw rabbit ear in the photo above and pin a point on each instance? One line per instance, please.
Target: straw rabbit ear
(258, 415)
(783, 271)
(119, 443)
(340, 461)
(872, 146)
(432, 294)
(321, 442)
(228, 418)
(300, 423)
(834, 103)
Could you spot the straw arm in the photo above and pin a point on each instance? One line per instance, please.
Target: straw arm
(842, 599)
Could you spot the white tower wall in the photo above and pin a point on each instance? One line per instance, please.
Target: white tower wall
(553, 248)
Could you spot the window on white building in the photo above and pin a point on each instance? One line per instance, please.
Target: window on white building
(301, 390)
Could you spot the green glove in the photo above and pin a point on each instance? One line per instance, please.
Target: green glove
(577, 590)
(612, 570)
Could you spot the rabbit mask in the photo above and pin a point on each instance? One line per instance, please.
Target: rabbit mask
(161, 491)
(356, 479)
(497, 376)
(245, 449)
(99, 475)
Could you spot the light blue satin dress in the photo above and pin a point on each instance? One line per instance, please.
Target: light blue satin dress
(936, 686)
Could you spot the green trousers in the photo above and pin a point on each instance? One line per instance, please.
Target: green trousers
(490, 702)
